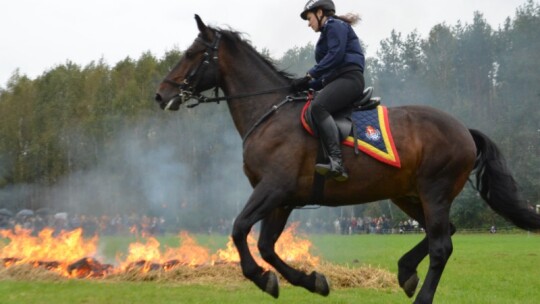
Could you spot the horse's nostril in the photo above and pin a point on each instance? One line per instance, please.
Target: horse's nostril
(158, 98)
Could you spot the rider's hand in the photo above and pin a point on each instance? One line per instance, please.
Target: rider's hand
(300, 84)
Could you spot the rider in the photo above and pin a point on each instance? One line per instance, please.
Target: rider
(339, 70)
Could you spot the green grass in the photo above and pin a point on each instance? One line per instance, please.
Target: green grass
(482, 269)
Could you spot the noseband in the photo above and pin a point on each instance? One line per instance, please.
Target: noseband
(188, 86)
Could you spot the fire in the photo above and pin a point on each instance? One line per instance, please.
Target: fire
(71, 255)
(149, 254)
(292, 248)
(289, 247)
(45, 249)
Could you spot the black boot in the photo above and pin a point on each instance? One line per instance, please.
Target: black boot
(329, 136)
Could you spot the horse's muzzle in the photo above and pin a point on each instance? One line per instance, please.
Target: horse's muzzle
(172, 105)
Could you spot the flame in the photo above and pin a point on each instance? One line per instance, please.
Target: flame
(149, 254)
(72, 256)
(45, 249)
(289, 247)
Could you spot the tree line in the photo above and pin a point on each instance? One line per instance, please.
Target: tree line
(71, 118)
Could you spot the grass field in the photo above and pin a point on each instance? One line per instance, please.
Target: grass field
(502, 268)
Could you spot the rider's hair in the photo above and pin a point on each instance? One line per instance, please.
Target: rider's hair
(350, 18)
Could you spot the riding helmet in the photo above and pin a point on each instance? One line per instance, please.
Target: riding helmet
(312, 5)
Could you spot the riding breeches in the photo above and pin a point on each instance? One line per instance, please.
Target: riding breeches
(338, 95)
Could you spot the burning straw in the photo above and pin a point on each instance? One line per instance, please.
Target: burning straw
(25, 257)
(340, 277)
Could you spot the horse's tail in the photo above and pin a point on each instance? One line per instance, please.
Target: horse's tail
(498, 188)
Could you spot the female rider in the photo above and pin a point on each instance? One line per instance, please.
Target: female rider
(338, 72)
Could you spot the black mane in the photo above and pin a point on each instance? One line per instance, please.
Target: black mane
(236, 37)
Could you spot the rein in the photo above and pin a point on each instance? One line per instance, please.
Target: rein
(204, 99)
(190, 83)
(271, 112)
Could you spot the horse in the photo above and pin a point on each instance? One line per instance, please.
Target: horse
(438, 155)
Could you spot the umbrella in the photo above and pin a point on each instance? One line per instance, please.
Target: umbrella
(61, 216)
(25, 212)
(44, 211)
(6, 212)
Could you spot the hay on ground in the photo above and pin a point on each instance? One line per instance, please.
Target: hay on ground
(27, 272)
(339, 277)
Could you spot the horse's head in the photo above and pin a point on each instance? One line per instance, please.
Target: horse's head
(196, 71)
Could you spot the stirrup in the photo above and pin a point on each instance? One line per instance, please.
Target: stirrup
(340, 176)
(333, 169)
(323, 169)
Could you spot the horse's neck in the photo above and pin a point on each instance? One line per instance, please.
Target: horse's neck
(247, 73)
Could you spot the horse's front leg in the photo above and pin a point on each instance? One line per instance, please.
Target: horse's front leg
(263, 200)
(271, 228)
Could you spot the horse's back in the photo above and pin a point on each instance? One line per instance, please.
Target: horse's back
(425, 123)
(431, 138)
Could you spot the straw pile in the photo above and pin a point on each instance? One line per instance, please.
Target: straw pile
(339, 277)
(358, 277)
(27, 272)
(223, 274)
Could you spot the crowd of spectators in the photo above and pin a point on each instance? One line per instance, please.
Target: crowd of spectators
(91, 225)
(157, 225)
(362, 225)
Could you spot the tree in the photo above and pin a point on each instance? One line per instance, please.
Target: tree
(440, 51)
(475, 71)
(390, 68)
(298, 60)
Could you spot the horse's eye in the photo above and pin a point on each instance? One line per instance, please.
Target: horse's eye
(190, 54)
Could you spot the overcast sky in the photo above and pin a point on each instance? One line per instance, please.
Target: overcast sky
(37, 35)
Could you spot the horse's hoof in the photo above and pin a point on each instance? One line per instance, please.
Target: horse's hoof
(410, 285)
(272, 284)
(321, 284)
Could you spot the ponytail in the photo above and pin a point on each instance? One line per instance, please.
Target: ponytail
(350, 18)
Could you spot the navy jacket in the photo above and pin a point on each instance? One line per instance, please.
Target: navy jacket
(338, 47)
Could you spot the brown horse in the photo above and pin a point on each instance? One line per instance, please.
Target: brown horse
(438, 154)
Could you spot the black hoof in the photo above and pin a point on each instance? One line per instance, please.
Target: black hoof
(270, 284)
(409, 287)
(321, 285)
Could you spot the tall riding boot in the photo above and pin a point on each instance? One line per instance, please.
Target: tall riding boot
(329, 136)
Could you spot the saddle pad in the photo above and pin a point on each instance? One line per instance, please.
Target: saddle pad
(373, 132)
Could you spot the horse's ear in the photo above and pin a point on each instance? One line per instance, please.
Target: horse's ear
(200, 24)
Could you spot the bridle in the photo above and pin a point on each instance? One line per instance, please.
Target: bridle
(188, 88)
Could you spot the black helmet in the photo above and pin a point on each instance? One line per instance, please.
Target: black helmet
(311, 5)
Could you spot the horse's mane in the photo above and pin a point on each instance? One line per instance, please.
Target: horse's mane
(236, 38)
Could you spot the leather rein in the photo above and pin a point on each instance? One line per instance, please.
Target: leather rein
(188, 87)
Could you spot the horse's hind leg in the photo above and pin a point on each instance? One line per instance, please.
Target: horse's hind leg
(436, 205)
(271, 228)
(408, 263)
(263, 200)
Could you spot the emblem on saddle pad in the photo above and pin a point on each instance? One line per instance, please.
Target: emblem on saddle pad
(372, 133)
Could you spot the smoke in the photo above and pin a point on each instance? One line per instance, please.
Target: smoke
(130, 176)
(157, 165)
(184, 166)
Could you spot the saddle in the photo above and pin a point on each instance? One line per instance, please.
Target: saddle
(343, 118)
(375, 138)
(364, 126)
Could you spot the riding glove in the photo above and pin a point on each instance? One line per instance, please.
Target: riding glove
(300, 84)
